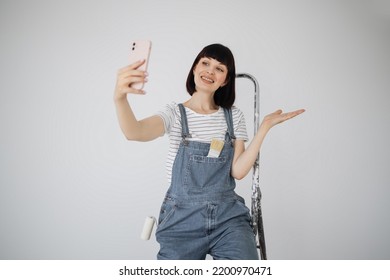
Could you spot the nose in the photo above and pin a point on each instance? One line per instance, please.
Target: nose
(210, 71)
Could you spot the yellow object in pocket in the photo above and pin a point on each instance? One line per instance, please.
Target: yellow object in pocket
(216, 147)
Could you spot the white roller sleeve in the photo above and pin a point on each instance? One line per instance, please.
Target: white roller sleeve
(148, 227)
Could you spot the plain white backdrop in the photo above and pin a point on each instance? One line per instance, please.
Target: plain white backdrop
(72, 187)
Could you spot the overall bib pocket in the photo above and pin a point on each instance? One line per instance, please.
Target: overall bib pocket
(203, 171)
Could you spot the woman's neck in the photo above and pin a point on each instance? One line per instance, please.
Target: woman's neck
(202, 103)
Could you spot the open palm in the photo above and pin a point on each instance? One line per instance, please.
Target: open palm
(278, 117)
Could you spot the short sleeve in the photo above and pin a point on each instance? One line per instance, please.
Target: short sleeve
(239, 124)
(168, 115)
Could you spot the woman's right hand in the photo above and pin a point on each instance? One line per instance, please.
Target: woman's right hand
(128, 76)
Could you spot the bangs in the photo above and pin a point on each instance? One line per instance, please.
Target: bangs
(218, 52)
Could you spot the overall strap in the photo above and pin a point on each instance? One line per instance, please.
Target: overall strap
(185, 133)
(229, 121)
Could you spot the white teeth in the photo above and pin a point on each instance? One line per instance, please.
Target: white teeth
(207, 79)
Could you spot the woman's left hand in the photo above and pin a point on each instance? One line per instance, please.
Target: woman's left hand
(278, 117)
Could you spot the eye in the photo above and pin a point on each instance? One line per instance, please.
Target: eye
(204, 62)
(220, 69)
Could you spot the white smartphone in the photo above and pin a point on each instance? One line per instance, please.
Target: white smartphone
(140, 49)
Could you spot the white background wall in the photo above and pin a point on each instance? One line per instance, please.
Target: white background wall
(71, 186)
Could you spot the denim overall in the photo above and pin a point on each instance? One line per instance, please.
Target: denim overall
(201, 213)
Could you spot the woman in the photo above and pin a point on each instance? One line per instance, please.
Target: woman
(201, 213)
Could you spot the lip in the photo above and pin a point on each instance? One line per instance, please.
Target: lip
(207, 79)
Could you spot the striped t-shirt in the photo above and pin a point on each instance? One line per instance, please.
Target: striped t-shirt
(203, 128)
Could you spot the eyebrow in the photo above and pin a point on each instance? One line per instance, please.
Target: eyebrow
(210, 58)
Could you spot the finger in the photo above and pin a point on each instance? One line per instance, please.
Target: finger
(125, 69)
(127, 89)
(127, 85)
(138, 91)
(131, 72)
(297, 112)
(134, 74)
(132, 79)
(134, 65)
(131, 67)
(137, 63)
(291, 115)
(278, 112)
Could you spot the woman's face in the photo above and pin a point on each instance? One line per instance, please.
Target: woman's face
(210, 75)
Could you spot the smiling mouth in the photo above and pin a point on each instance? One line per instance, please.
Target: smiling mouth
(207, 79)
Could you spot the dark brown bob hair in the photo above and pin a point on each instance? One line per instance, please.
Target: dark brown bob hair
(225, 95)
